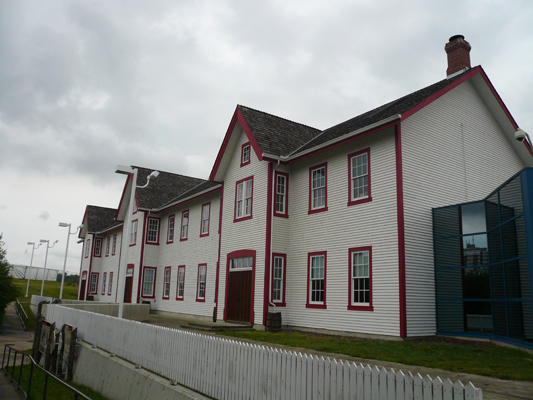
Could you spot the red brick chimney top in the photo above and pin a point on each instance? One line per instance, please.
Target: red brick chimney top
(458, 51)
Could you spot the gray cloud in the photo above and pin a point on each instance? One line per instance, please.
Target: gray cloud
(45, 215)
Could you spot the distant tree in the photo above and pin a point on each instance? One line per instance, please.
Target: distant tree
(8, 291)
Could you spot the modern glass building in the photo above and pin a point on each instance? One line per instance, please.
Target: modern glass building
(484, 264)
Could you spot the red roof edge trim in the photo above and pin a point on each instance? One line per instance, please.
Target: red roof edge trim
(440, 93)
(122, 196)
(499, 99)
(249, 135)
(528, 147)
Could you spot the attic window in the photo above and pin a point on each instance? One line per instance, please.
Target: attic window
(245, 154)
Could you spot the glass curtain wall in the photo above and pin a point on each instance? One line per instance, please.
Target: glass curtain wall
(482, 271)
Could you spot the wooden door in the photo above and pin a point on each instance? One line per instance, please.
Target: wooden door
(82, 289)
(239, 296)
(128, 289)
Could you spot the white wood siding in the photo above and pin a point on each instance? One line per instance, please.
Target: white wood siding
(340, 228)
(107, 265)
(191, 252)
(453, 152)
(249, 234)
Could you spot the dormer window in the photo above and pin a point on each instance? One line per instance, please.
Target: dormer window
(245, 154)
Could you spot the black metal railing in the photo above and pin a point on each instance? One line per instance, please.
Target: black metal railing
(12, 355)
(24, 318)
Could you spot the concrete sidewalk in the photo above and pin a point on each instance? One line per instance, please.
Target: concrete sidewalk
(12, 332)
(493, 388)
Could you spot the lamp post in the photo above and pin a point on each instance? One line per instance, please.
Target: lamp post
(46, 259)
(64, 225)
(31, 264)
(132, 173)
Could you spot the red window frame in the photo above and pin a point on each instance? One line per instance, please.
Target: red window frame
(309, 256)
(180, 267)
(98, 247)
(109, 286)
(246, 145)
(182, 239)
(244, 217)
(156, 242)
(165, 282)
(198, 298)
(352, 201)
(279, 303)
(153, 283)
(114, 246)
(91, 283)
(325, 206)
(107, 245)
(133, 233)
(104, 282)
(202, 234)
(173, 219)
(351, 305)
(284, 214)
(87, 248)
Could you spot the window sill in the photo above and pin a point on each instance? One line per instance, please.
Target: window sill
(279, 304)
(281, 215)
(184, 239)
(153, 243)
(200, 300)
(359, 201)
(204, 234)
(242, 219)
(317, 306)
(361, 308)
(179, 298)
(318, 210)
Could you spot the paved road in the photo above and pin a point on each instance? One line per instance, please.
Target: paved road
(12, 332)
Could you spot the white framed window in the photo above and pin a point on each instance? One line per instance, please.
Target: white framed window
(318, 197)
(360, 285)
(87, 247)
(98, 248)
(153, 231)
(181, 283)
(133, 237)
(149, 282)
(241, 263)
(245, 154)
(94, 282)
(166, 283)
(184, 225)
(359, 176)
(243, 199)
(104, 282)
(107, 245)
(170, 233)
(282, 184)
(114, 245)
(110, 286)
(206, 210)
(202, 271)
(316, 280)
(278, 279)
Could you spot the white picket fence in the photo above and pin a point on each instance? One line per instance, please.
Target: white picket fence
(227, 369)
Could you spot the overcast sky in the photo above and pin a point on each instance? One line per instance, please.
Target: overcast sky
(87, 85)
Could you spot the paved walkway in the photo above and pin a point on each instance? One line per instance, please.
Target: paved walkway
(493, 389)
(12, 332)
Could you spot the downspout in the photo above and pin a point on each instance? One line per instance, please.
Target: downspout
(119, 259)
(217, 278)
(272, 231)
(141, 261)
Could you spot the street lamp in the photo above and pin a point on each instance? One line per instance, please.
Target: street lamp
(131, 172)
(31, 264)
(64, 225)
(46, 259)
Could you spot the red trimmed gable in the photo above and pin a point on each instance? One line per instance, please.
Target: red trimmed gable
(237, 117)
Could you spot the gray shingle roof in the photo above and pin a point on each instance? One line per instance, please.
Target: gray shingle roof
(163, 189)
(398, 106)
(275, 135)
(101, 219)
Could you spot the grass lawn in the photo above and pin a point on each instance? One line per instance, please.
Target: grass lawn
(481, 358)
(54, 391)
(51, 289)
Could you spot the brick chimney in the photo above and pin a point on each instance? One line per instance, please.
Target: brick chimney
(458, 50)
